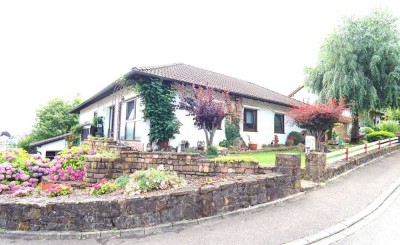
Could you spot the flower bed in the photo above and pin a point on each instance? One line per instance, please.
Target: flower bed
(21, 172)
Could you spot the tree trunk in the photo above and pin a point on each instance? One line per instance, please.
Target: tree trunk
(212, 133)
(207, 135)
(318, 136)
(355, 128)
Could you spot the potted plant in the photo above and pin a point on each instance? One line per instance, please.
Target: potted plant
(252, 145)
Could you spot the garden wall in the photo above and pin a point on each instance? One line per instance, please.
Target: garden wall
(153, 208)
(318, 170)
(190, 165)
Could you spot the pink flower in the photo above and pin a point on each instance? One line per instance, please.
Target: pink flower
(91, 152)
(68, 156)
(24, 177)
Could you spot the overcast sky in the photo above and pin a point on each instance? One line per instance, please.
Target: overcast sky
(61, 48)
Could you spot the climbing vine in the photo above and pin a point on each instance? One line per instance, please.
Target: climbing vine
(158, 99)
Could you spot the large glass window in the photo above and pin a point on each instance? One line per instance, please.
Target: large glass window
(279, 124)
(127, 129)
(250, 120)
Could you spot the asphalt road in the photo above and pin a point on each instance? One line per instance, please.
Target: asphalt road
(288, 221)
(383, 230)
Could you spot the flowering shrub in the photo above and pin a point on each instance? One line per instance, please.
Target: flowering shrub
(60, 190)
(68, 164)
(20, 172)
(103, 187)
(152, 179)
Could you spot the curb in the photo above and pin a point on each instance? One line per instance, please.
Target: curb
(358, 218)
(142, 231)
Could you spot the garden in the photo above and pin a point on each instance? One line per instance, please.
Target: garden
(21, 175)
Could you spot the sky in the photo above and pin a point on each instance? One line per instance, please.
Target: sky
(60, 49)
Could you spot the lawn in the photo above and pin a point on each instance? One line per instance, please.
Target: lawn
(268, 158)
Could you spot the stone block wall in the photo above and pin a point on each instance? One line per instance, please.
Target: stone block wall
(316, 166)
(340, 167)
(318, 170)
(190, 165)
(106, 213)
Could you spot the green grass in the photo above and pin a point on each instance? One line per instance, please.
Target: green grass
(268, 158)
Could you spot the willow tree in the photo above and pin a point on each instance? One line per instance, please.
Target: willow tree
(360, 61)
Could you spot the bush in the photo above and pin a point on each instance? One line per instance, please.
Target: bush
(223, 143)
(59, 190)
(232, 130)
(122, 181)
(236, 159)
(379, 135)
(389, 126)
(367, 130)
(152, 179)
(212, 151)
(103, 187)
(20, 172)
(296, 137)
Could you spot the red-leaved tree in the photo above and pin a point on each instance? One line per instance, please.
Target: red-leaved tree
(318, 118)
(207, 112)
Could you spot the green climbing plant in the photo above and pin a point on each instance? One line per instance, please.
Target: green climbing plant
(158, 98)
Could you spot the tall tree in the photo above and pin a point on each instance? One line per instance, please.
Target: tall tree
(360, 61)
(52, 119)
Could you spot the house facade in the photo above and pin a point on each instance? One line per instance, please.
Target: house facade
(51, 146)
(263, 112)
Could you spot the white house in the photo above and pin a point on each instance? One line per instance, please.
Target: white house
(263, 111)
(51, 146)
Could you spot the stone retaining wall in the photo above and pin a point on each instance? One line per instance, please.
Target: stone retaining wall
(190, 165)
(317, 169)
(152, 208)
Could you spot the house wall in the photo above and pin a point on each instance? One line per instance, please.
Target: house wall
(190, 133)
(101, 107)
(265, 122)
(53, 146)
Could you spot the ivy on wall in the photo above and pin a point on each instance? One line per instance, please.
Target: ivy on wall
(158, 98)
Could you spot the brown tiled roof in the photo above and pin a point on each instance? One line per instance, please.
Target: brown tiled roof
(183, 73)
(190, 74)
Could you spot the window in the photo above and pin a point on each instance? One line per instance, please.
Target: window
(51, 154)
(127, 128)
(279, 124)
(250, 120)
(111, 112)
